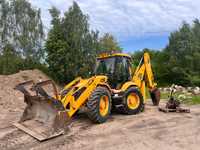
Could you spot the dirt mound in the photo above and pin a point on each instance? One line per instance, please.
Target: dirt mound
(11, 99)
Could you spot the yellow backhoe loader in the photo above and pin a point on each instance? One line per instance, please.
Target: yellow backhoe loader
(114, 85)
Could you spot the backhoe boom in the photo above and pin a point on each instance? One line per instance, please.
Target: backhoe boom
(143, 76)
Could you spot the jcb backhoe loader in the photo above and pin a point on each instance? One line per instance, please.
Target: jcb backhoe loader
(113, 86)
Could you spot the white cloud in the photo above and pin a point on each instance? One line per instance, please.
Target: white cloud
(130, 18)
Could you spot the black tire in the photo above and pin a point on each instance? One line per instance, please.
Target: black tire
(125, 109)
(93, 105)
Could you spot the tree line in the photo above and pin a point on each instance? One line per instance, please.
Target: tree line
(69, 50)
(179, 61)
(71, 45)
(21, 36)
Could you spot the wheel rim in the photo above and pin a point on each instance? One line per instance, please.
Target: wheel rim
(133, 101)
(104, 105)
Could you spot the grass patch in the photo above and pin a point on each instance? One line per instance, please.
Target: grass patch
(191, 100)
(194, 100)
(162, 95)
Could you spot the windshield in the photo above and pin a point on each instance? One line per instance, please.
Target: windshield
(105, 66)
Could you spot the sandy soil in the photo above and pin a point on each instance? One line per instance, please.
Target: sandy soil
(150, 130)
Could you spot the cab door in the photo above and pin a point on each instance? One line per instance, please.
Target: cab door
(122, 72)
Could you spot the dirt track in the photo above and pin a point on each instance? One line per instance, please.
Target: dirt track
(149, 130)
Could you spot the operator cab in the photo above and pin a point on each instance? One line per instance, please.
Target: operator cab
(116, 66)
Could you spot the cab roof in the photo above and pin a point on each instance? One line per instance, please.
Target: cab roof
(107, 55)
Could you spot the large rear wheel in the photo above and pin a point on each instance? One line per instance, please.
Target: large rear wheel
(132, 102)
(99, 105)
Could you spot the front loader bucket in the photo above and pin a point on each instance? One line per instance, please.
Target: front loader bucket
(43, 117)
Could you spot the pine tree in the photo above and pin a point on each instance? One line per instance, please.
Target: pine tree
(71, 46)
(56, 47)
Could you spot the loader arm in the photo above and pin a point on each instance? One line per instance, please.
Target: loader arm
(143, 76)
(46, 115)
(79, 94)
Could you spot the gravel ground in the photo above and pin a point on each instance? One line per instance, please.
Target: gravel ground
(149, 130)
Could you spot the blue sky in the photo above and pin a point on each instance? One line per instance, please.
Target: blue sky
(136, 24)
(156, 42)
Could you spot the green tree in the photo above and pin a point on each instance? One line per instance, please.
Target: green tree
(108, 42)
(10, 61)
(21, 28)
(56, 47)
(183, 50)
(71, 46)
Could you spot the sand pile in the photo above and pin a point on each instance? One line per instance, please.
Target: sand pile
(10, 98)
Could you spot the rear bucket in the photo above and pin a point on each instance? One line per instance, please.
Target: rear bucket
(43, 118)
(155, 96)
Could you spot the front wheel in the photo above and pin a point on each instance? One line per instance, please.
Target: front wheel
(132, 102)
(99, 105)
